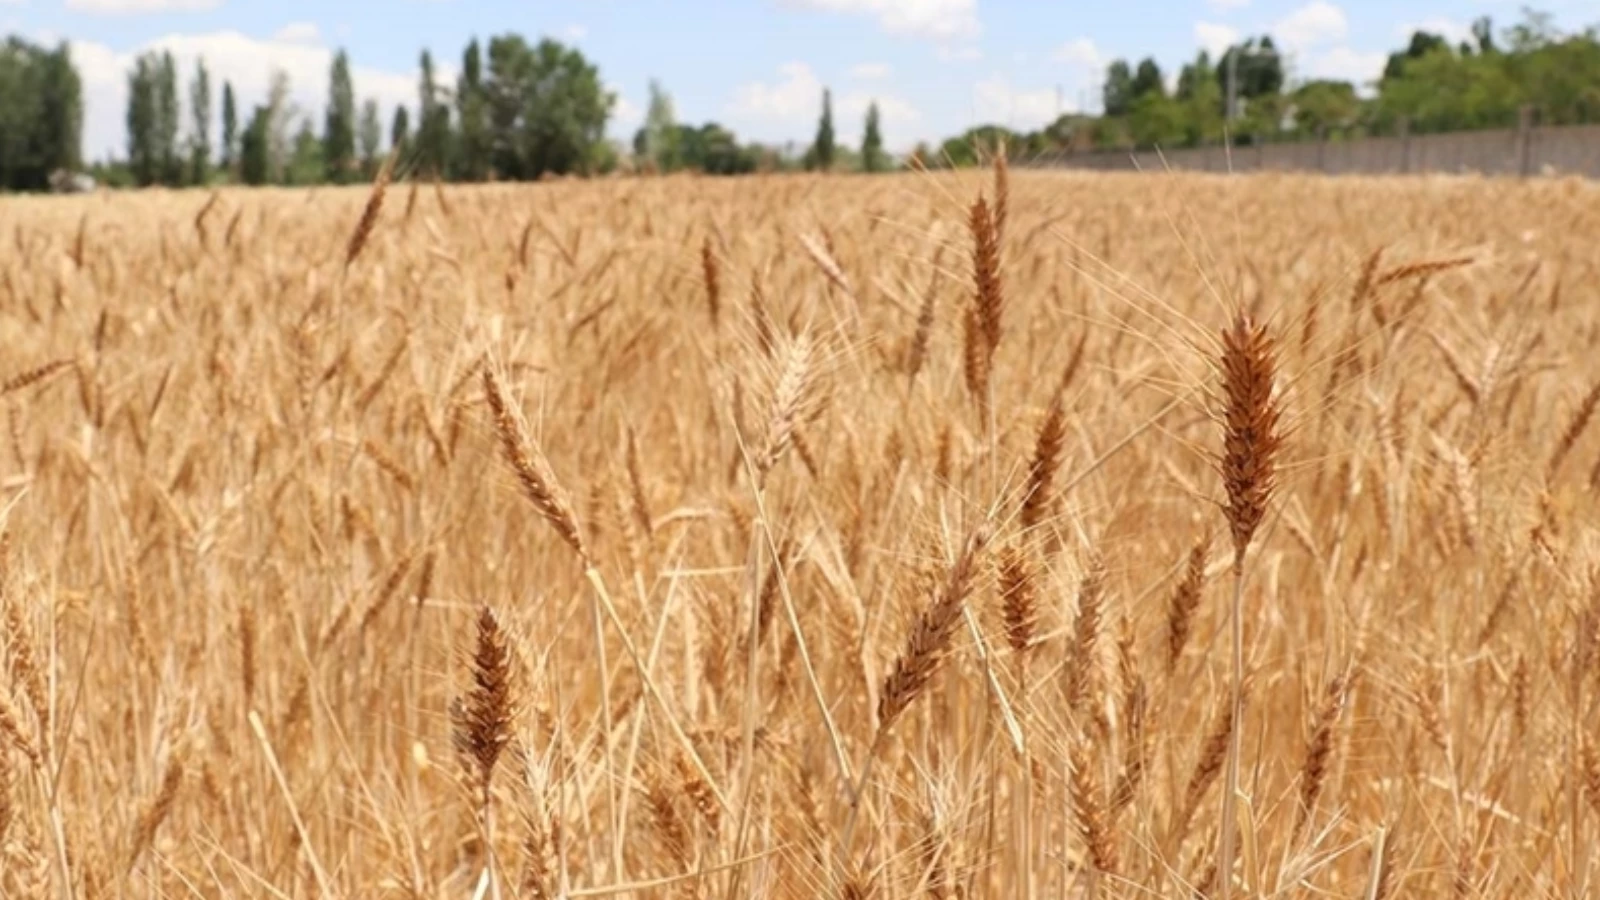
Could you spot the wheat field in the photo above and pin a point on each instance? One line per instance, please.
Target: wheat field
(803, 536)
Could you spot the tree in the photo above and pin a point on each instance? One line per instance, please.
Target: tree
(1194, 76)
(281, 114)
(306, 165)
(1116, 95)
(433, 128)
(200, 113)
(1148, 80)
(230, 127)
(472, 110)
(1324, 106)
(41, 114)
(1483, 33)
(547, 108)
(255, 156)
(168, 115)
(1422, 43)
(822, 149)
(872, 159)
(144, 154)
(400, 130)
(1256, 65)
(371, 134)
(339, 122)
(655, 140)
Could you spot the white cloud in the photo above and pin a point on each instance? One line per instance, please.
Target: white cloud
(245, 62)
(1080, 52)
(782, 109)
(998, 102)
(1344, 64)
(626, 116)
(575, 32)
(870, 71)
(937, 19)
(793, 98)
(1214, 38)
(1316, 24)
(1452, 30)
(120, 7)
(298, 33)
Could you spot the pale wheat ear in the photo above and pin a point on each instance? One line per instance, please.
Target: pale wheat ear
(533, 473)
(369, 213)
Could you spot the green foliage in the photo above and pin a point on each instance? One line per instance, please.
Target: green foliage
(472, 112)
(872, 156)
(200, 135)
(1147, 80)
(306, 165)
(1116, 96)
(974, 146)
(230, 127)
(255, 161)
(547, 109)
(370, 133)
(1444, 90)
(1257, 68)
(41, 114)
(1325, 107)
(433, 129)
(339, 122)
(822, 150)
(400, 130)
(655, 141)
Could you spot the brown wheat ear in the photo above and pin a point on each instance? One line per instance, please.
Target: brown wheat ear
(484, 726)
(989, 296)
(713, 279)
(1319, 750)
(1046, 462)
(532, 471)
(1251, 443)
(929, 640)
(1251, 437)
(1186, 600)
(1019, 601)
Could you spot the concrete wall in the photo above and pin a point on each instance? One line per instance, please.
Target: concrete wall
(1573, 149)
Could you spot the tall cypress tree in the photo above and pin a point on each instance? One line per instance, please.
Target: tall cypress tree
(141, 122)
(230, 127)
(61, 96)
(255, 152)
(400, 130)
(433, 129)
(371, 135)
(872, 142)
(170, 163)
(822, 150)
(472, 110)
(200, 115)
(339, 125)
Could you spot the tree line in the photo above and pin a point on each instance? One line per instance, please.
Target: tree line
(521, 110)
(517, 111)
(1245, 95)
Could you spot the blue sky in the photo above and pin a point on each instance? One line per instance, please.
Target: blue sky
(758, 66)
